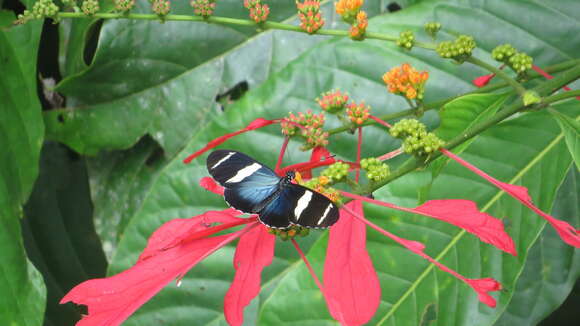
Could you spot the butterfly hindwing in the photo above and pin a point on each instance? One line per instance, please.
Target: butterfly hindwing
(248, 199)
(312, 209)
(300, 206)
(278, 212)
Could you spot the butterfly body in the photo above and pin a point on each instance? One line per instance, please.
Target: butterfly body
(252, 187)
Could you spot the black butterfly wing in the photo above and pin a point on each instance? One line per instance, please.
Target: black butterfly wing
(231, 169)
(300, 206)
(247, 182)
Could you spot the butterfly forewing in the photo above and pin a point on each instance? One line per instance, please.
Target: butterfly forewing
(231, 168)
(248, 183)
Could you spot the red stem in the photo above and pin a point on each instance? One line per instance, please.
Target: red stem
(390, 155)
(358, 152)
(282, 151)
(382, 122)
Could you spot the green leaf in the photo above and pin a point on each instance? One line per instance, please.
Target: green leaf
(128, 175)
(21, 135)
(76, 38)
(409, 284)
(142, 83)
(291, 84)
(58, 230)
(571, 129)
(461, 114)
(552, 267)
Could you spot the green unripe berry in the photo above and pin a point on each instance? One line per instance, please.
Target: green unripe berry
(336, 171)
(432, 28)
(406, 40)
(520, 62)
(459, 50)
(503, 52)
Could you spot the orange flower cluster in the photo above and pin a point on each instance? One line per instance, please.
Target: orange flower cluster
(203, 8)
(348, 8)
(319, 184)
(333, 101)
(358, 29)
(309, 13)
(308, 120)
(358, 113)
(406, 81)
(258, 12)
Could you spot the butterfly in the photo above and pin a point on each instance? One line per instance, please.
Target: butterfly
(253, 188)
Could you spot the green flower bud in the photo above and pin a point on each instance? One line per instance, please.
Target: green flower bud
(336, 172)
(432, 28)
(406, 40)
(531, 97)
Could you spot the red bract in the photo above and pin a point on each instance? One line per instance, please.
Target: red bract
(548, 76)
(254, 252)
(481, 286)
(461, 213)
(320, 157)
(568, 233)
(482, 80)
(113, 299)
(256, 124)
(349, 275)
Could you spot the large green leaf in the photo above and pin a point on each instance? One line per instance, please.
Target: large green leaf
(123, 172)
(552, 266)
(410, 285)
(571, 129)
(163, 79)
(128, 175)
(357, 68)
(21, 135)
(459, 115)
(58, 230)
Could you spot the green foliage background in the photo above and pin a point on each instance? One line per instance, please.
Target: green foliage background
(110, 171)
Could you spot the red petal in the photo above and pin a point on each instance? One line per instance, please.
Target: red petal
(482, 80)
(568, 233)
(464, 214)
(461, 213)
(320, 157)
(282, 152)
(358, 152)
(349, 275)
(113, 299)
(258, 123)
(418, 248)
(209, 184)
(254, 252)
(330, 301)
(482, 286)
(173, 232)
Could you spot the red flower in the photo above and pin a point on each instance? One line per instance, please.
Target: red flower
(171, 251)
(566, 231)
(351, 287)
(482, 80)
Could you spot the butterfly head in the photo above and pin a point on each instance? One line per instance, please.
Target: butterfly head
(288, 177)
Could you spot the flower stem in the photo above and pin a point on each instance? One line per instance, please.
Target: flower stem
(498, 72)
(543, 89)
(437, 104)
(235, 21)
